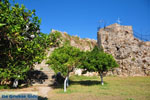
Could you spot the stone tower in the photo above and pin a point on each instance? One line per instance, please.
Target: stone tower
(99, 39)
(132, 54)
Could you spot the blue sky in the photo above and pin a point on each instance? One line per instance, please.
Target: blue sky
(81, 17)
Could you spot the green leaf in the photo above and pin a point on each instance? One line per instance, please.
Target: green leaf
(1, 24)
(19, 49)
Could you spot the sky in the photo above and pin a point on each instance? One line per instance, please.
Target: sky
(82, 17)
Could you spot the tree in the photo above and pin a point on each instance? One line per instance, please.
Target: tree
(98, 61)
(64, 60)
(21, 42)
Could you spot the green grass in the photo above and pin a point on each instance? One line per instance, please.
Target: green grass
(114, 88)
(4, 87)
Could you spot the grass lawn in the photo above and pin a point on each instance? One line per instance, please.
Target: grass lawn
(114, 88)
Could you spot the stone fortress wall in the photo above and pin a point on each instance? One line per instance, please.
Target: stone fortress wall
(132, 54)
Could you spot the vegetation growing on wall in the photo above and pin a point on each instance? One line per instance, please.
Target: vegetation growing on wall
(55, 38)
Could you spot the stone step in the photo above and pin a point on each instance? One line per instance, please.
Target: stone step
(43, 67)
(47, 71)
(37, 84)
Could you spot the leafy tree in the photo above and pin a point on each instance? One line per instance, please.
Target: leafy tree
(64, 60)
(98, 61)
(21, 43)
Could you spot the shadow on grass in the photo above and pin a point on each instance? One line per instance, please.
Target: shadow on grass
(83, 82)
(33, 76)
(56, 86)
(59, 81)
(42, 98)
(87, 82)
(36, 76)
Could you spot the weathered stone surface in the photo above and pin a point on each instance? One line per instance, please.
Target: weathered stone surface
(78, 71)
(83, 44)
(91, 74)
(132, 54)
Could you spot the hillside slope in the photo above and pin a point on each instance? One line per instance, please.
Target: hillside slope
(82, 44)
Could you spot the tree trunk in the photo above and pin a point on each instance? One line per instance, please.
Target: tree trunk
(15, 83)
(101, 76)
(65, 83)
